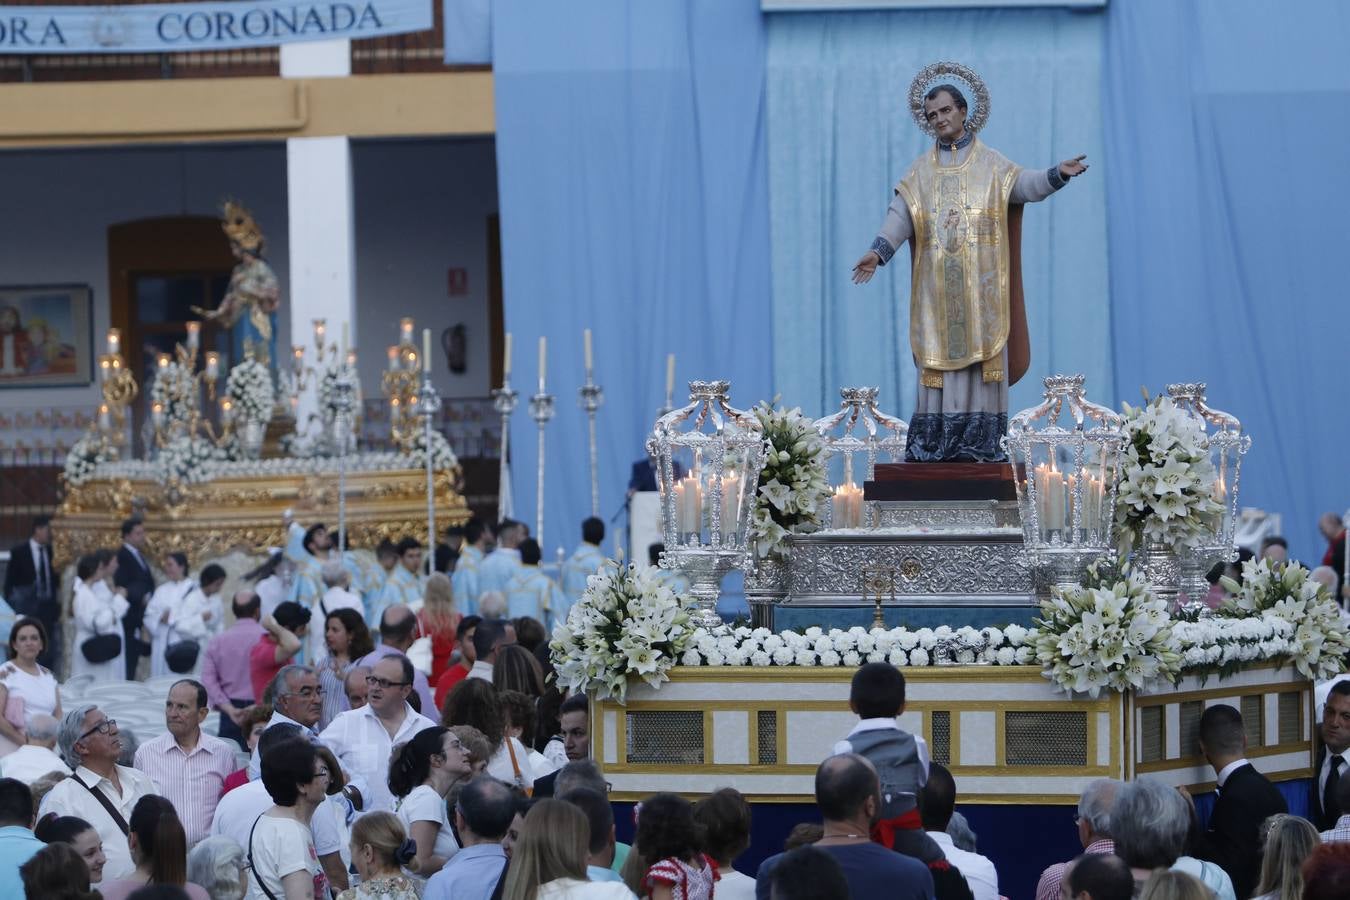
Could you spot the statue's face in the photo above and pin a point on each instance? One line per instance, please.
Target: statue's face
(948, 119)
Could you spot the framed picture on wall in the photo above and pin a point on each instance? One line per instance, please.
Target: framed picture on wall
(46, 335)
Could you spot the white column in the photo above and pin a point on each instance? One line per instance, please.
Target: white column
(321, 228)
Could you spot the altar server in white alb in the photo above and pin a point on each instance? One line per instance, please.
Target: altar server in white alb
(177, 612)
(404, 585)
(960, 207)
(500, 566)
(584, 562)
(477, 542)
(307, 549)
(531, 592)
(98, 611)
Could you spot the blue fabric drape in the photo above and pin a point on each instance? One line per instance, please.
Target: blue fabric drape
(841, 137)
(632, 182)
(468, 31)
(1225, 123)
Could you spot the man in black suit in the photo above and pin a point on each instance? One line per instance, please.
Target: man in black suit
(1332, 758)
(1246, 799)
(31, 587)
(644, 476)
(133, 573)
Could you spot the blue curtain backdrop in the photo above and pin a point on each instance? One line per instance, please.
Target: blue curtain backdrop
(631, 162)
(1225, 126)
(841, 136)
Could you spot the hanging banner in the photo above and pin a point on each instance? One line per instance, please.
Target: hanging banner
(177, 27)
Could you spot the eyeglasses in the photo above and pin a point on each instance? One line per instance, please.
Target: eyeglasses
(107, 726)
(385, 683)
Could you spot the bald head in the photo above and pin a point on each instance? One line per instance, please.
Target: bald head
(844, 786)
(355, 686)
(246, 604)
(397, 626)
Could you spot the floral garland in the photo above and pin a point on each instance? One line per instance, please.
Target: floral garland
(627, 623)
(793, 486)
(84, 458)
(1112, 631)
(742, 646)
(442, 457)
(250, 388)
(1319, 642)
(189, 459)
(1166, 488)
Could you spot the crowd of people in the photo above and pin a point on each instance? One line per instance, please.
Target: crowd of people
(342, 769)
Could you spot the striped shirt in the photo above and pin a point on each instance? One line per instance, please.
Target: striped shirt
(1048, 887)
(1338, 832)
(192, 782)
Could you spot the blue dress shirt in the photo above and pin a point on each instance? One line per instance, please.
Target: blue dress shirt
(471, 874)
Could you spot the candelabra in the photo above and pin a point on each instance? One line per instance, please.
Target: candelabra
(541, 410)
(1226, 445)
(1066, 478)
(400, 383)
(707, 540)
(504, 401)
(119, 390)
(590, 396)
(859, 404)
(176, 393)
(428, 404)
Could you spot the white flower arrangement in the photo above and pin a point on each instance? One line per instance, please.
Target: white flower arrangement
(172, 386)
(628, 623)
(1111, 632)
(84, 458)
(1318, 642)
(189, 459)
(793, 484)
(1166, 488)
(443, 458)
(250, 387)
(815, 647)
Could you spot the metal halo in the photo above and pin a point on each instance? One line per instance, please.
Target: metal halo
(965, 78)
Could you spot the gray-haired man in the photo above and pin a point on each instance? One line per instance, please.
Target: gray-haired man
(1094, 832)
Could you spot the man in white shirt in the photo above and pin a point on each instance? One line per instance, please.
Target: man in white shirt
(937, 802)
(487, 638)
(36, 758)
(101, 792)
(362, 739)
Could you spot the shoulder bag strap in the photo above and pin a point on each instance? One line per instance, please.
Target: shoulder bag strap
(254, 869)
(107, 805)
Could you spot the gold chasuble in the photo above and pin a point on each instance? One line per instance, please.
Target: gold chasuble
(965, 294)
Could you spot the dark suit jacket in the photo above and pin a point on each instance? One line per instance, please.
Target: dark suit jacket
(139, 582)
(1323, 820)
(1233, 838)
(21, 574)
(644, 478)
(543, 787)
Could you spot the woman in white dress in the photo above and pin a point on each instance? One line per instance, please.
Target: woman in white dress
(24, 681)
(97, 609)
(176, 612)
(421, 773)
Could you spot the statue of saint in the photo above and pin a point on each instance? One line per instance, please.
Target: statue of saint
(960, 206)
(249, 307)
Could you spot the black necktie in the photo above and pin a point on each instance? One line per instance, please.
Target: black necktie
(1330, 807)
(44, 584)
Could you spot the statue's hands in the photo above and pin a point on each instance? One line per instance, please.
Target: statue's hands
(1071, 167)
(866, 267)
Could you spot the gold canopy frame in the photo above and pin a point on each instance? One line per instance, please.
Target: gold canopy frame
(245, 513)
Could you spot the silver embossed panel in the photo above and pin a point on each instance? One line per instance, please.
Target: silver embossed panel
(948, 514)
(669, 737)
(1045, 738)
(825, 565)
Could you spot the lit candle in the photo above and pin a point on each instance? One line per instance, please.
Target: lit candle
(393, 359)
(405, 329)
(226, 408)
(320, 329)
(212, 365)
(104, 417)
(157, 414)
(731, 502)
(299, 358)
(162, 360)
(689, 504)
(1220, 489)
(586, 342)
(412, 359)
(351, 358)
(670, 376)
(103, 366)
(114, 341)
(194, 335)
(426, 349)
(543, 361)
(506, 360)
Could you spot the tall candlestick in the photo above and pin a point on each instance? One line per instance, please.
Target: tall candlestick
(670, 377)
(114, 341)
(586, 341)
(543, 361)
(426, 349)
(506, 359)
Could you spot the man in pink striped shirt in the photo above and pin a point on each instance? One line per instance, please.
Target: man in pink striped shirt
(188, 766)
(225, 669)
